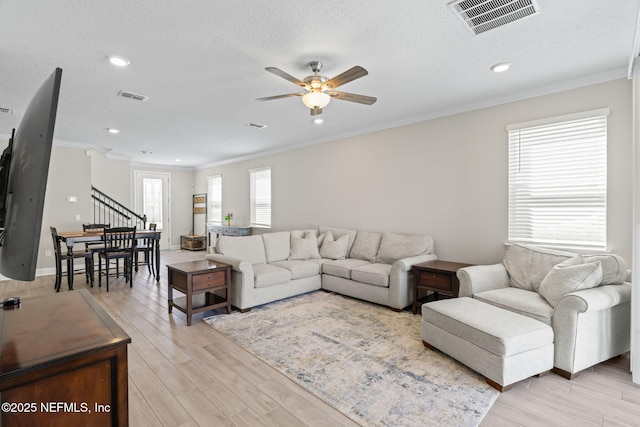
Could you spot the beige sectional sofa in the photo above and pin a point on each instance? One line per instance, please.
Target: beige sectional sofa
(367, 265)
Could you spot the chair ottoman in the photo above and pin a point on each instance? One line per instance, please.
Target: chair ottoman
(503, 346)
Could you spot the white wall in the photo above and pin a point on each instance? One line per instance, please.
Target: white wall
(112, 177)
(445, 177)
(69, 175)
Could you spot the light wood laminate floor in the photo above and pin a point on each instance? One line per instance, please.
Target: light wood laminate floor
(194, 376)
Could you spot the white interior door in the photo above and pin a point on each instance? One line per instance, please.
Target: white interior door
(151, 197)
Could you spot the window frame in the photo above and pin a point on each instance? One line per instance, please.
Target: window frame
(260, 213)
(211, 200)
(559, 199)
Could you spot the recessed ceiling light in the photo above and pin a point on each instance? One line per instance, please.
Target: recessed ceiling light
(500, 67)
(178, 160)
(112, 130)
(118, 61)
(318, 121)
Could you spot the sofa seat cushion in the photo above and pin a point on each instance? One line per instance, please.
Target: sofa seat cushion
(247, 248)
(372, 274)
(342, 267)
(299, 268)
(527, 303)
(265, 275)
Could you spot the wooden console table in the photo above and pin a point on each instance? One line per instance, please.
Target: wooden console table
(63, 361)
(204, 280)
(228, 230)
(437, 277)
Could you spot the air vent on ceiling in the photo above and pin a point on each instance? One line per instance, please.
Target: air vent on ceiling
(484, 15)
(6, 110)
(133, 96)
(256, 125)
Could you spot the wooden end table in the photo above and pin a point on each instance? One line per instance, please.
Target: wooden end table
(201, 281)
(437, 276)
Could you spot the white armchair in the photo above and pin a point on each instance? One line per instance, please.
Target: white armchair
(590, 325)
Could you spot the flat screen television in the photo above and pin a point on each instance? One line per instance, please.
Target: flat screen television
(24, 181)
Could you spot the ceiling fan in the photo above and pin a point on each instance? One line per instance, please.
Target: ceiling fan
(319, 89)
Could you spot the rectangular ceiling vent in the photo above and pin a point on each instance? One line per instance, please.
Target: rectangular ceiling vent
(6, 110)
(484, 15)
(134, 96)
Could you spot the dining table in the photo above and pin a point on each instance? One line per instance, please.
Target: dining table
(70, 238)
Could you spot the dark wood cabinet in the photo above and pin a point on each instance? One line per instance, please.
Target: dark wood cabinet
(434, 278)
(63, 361)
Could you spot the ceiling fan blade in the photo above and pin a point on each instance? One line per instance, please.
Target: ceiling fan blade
(278, 72)
(269, 98)
(349, 75)
(360, 99)
(316, 111)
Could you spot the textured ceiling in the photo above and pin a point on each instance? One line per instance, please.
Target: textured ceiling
(201, 63)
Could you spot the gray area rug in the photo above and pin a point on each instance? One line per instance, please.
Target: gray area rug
(363, 359)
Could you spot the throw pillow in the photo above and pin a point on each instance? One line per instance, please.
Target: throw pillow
(366, 246)
(567, 277)
(321, 238)
(306, 248)
(334, 249)
(398, 246)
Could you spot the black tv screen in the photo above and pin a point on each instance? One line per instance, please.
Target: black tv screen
(27, 182)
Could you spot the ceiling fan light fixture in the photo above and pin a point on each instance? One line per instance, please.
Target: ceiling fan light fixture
(316, 99)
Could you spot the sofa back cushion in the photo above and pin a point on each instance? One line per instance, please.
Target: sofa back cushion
(276, 245)
(366, 246)
(248, 248)
(528, 265)
(398, 246)
(614, 267)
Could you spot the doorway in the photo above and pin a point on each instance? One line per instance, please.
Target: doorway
(151, 197)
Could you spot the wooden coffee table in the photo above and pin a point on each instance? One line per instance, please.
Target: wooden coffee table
(201, 282)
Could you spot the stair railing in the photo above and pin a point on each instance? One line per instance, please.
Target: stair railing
(107, 210)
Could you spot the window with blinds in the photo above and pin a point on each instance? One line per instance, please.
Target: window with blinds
(260, 197)
(214, 197)
(558, 181)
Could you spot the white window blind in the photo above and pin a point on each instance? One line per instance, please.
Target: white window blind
(261, 197)
(214, 197)
(558, 181)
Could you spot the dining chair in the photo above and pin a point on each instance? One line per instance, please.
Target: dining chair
(145, 246)
(119, 244)
(94, 247)
(61, 255)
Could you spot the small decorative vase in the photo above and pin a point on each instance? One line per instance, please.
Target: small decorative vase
(228, 223)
